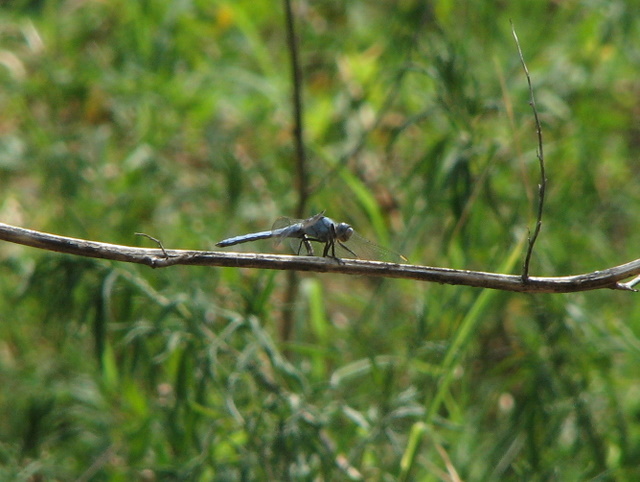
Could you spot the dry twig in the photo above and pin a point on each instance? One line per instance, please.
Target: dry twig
(609, 278)
(542, 187)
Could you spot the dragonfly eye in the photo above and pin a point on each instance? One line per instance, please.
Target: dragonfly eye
(343, 232)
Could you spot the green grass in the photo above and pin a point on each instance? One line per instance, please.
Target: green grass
(173, 118)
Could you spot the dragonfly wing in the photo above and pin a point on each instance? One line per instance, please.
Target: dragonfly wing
(284, 221)
(365, 249)
(296, 243)
(281, 223)
(298, 240)
(306, 223)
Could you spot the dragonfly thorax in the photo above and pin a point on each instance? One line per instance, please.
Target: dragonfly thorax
(343, 232)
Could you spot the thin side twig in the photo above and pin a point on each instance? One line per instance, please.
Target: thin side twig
(157, 241)
(542, 187)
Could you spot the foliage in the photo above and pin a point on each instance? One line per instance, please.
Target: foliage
(174, 118)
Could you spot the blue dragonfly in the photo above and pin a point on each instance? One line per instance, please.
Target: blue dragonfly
(337, 237)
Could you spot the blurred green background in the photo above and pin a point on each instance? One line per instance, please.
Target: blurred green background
(174, 118)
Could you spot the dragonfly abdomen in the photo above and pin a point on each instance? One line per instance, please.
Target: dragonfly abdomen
(246, 238)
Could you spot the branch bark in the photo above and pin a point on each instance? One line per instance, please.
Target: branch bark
(610, 278)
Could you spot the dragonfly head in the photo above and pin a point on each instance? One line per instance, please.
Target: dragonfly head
(343, 232)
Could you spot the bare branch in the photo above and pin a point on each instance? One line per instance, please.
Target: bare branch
(542, 187)
(609, 278)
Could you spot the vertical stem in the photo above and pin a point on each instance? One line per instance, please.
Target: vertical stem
(298, 112)
(286, 326)
(542, 187)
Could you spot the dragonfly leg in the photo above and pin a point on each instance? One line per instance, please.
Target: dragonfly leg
(347, 248)
(325, 252)
(307, 244)
(331, 245)
(305, 241)
(334, 238)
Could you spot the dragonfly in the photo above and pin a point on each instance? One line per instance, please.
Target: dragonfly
(319, 229)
